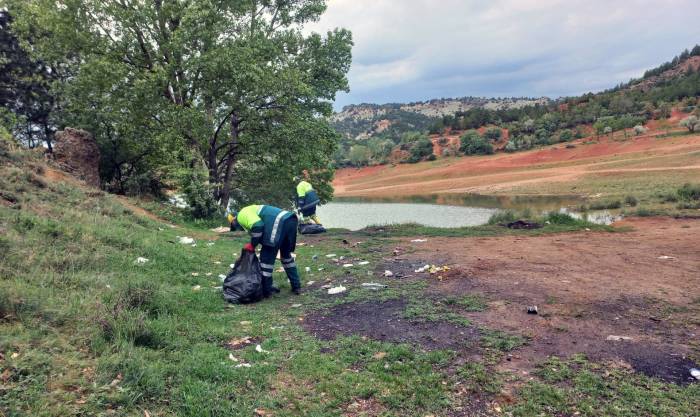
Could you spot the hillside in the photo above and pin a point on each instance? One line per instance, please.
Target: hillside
(609, 167)
(361, 121)
(380, 134)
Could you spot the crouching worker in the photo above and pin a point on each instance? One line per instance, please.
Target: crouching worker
(307, 200)
(276, 230)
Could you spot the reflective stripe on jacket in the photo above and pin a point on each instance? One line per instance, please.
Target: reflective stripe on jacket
(265, 220)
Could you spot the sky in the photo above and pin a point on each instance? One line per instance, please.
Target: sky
(415, 50)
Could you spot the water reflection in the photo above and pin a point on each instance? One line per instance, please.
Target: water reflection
(516, 202)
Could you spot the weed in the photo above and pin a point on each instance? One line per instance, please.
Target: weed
(631, 201)
(605, 205)
(689, 192)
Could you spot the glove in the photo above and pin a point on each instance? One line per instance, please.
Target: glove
(249, 247)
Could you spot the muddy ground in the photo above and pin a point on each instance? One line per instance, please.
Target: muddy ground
(642, 283)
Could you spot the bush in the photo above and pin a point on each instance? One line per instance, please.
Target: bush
(473, 144)
(631, 201)
(640, 130)
(605, 205)
(511, 146)
(503, 217)
(566, 135)
(493, 134)
(689, 192)
(420, 150)
(198, 195)
(692, 123)
(555, 217)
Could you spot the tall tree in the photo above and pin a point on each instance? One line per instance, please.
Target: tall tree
(235, 82)
(25, 88)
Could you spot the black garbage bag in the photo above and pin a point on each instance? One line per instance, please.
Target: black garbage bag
(311, 229)
(244, 283)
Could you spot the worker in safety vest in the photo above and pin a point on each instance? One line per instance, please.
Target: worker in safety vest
(307, 200)
(276, 230)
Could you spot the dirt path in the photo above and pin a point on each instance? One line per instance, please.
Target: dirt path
(641, 284)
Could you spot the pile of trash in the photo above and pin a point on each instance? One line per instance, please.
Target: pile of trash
(432, 269)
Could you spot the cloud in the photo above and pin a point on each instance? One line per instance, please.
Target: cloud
(408, 50)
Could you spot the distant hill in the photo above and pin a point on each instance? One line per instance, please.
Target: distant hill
(360, 121)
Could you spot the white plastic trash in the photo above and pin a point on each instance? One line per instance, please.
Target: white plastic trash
(141, 260)
(185, 240)
(337, 290)
(363, 263)
(348, 265)
(388, 273)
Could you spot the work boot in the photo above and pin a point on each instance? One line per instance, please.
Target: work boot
(296, 291)
(274, 290)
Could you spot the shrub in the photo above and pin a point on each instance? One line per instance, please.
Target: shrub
(493, 134)
(689, 192)
(420, 150)
(511, 146)
(198, 195)
(565, 135)
(473, 144)
(692, 123)
(605, 205)
(631, 201)
(555, 217)
(502, 217)
(640, 130)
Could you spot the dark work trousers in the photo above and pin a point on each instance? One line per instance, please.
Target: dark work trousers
(268, 254)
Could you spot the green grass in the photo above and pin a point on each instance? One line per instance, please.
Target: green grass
(580, 387)
(87, 331)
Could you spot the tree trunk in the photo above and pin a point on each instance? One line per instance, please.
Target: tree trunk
(232, 150)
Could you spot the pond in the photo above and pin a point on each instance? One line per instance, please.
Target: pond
(446, 210)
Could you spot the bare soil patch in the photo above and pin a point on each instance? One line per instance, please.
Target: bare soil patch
(588, 286)
(383, 321)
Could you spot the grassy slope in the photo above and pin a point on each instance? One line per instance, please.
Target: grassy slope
(87, 331)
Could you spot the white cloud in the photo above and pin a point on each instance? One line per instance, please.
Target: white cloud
(420, 49)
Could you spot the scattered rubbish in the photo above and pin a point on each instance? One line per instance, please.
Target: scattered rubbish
(221, 229)
(14, 355)
(311, 283)
(196, 288)
(178, 201)
(326, 286)
(419, 240)
(301, 244)
(532, 310)
(434, 269)
(239, 343)
(232, 265)
(424, 268)
(217, 262)
(222, 277)
(379, 355)
(373, 286)
(208, 274)
(261, 412)
(337, 290)
(341, 258)
(194, 245)
(280, 269)
(276, 327)
(388, 273)
(185, 240)
(523, 224)
(321, 269)
(345, 241)
(195, 274)
(246, 323)
(109, 287)
(315, 257)
(296, 305)
(233, 358)
(141, 260)
(210, 243)
(243, 365)
(386, 366)
(307, 269)
(618, 338)
(363, 263)
(348, 265)
(331, 255)
(666, 257)
(695, 373)
(259, 349)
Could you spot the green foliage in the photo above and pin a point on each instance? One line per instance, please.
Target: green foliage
(198, 195)
(200, 89)
(566, 135)
(689, 192)
(421, 149)
(503, 217)
(692, 123)
(473, 144)
(359, 155)
(631, 201)
(493, 134)
(605, 205)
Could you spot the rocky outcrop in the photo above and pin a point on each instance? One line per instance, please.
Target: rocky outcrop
(75, 151)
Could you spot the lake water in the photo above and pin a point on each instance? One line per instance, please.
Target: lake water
(447, 210)
(358, 215)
